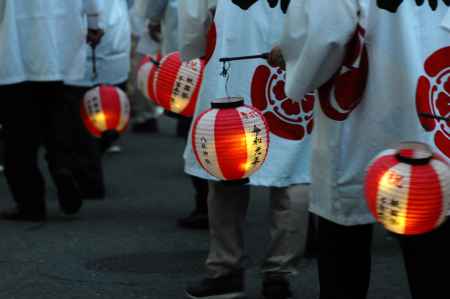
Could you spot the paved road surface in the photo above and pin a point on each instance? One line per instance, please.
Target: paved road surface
(128, 245)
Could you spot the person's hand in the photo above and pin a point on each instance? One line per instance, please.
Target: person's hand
(154, 30)
(94, 37)
(276, 58)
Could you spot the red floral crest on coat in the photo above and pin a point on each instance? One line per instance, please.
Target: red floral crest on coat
(286, 118)
(344, 91)
(433, 97)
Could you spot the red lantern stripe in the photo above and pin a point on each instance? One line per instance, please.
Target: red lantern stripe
(164, 81)
(113, 106)
(205, 143)
(231, 148)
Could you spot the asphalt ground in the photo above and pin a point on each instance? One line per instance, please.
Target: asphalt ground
(128, 246)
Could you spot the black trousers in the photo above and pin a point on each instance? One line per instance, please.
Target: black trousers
(34, 114)
(345, 261)
(88, 149)
(89, 170)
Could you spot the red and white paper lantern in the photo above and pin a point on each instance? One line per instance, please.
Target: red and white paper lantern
(147, 70)
(177, 84)
(105, 109)
(408, 189)
(230, 140)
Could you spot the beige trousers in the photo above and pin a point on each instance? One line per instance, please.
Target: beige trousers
(227, 206)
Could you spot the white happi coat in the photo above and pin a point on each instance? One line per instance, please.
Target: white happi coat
(247, 31)
(43, 40)
(113, 52)
(396, 66)
(166, 13)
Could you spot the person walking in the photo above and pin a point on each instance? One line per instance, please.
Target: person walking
(374, 63)
(112, 68)
(241, 29)
(42, 43)
(162, 16)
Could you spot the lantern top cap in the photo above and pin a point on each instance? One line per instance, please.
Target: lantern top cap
(228, 102)
(414, 153)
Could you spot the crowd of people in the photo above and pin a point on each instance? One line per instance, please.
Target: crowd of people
(339, 82)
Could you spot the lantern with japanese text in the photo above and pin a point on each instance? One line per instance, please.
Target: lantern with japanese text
(408, 189)
(105, 110)
(230, 140)
(177, 84)
(146, 76)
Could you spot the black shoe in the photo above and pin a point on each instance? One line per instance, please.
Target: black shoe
(148, 126)
(195, 220)
(229, 287)
(69, 194)
(18, 215)
(276, 286)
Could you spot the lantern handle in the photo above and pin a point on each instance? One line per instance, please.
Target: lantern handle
(258, 56)
(429, 115)
(94, 64)
(155, 62)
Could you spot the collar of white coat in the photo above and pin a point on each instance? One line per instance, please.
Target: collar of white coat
(446, 21)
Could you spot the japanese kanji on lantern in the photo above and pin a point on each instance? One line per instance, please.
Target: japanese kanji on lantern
(177, 84)
(230, 140)
(105, 109)
(408, 189)
(146, 76)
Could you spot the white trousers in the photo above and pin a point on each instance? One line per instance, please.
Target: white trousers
(227, 206)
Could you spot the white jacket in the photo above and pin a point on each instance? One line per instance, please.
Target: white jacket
(43, 40)
(113, 53)
(246, 32)
(370, 97)
(166, 13)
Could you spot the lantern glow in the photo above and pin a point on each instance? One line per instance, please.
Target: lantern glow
(408, 189)
(230, 140)
(105, 108)
(177, 84)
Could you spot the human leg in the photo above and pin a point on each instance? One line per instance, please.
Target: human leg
(227, 207)
(344, 260)
(289, 226)
(426, 258)
(22, 136)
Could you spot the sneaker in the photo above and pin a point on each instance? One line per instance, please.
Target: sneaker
(228, 287)
(69, 195)
(276, 286)
(148, 126)
(114, 149)
(195, 220)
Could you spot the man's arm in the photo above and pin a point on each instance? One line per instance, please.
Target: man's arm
(314, 42)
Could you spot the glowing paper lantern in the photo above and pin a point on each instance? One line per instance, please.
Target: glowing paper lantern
(147, 70)
(230, 140)
(408, 189)
(177, 84)
(105, 109)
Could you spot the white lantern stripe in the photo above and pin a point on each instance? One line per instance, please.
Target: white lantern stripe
(256, 137)
(124, 111)
(204, 143)
(96, 116)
